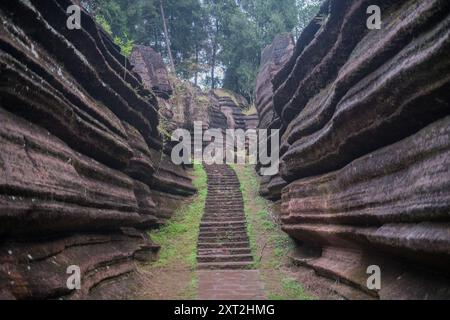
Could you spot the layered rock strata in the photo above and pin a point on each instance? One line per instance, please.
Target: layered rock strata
(80, 156)
(171, 183)
(150, 66)
(365, 146)
(273, 58)
(231, 105)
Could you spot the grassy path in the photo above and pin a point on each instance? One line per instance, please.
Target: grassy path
(173, 275)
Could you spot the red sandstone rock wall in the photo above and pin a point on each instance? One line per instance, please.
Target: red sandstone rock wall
(171, 183)
(273, 58)
(231, 105)
(365, 146)
(151, 68)
(82, 174)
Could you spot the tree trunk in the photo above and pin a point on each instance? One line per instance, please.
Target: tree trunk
(166, 35)
(214, 55)
(196, 65)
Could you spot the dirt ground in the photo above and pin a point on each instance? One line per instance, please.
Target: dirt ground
(166, 284)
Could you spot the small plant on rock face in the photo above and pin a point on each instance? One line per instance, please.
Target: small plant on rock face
(125, 43)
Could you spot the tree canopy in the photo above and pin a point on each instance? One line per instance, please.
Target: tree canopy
(213, 42)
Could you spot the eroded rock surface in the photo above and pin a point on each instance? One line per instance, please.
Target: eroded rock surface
(83, 174)
(273, 58)
(150, 66)
(231, 105)
(365, 146)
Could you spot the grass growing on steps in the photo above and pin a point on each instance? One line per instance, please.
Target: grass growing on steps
(178, 240)
(270, 245)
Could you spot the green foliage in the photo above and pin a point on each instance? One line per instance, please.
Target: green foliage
(206, 35)
(140, 22)
(104, 24)
(125, 43)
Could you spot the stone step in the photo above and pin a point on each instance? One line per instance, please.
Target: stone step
(241, 227)
(223, 195)
(225, 258)
(232, 200)
(223, 219)
(224, 181)
(219, 208)
(224, 204)
(224, 265)
(222, 234)
(224, 187)
(222, 224)
(224, 239)
(227, 182)
(215, 245)
(223, 243)
(230, 212)
(224, 199)
(238, 214)
(218, 214)
(224, 191)
(224, 251)
(221, 205)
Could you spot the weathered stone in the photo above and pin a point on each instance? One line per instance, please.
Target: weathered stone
(251, 121)
(231, 105)
(151, 68)
(273, 58)
(169, 177)
(44, 183)
(398, 188)
(146, 206)
(80, 157)
(365, 146)
(347, 123)
(38, 269)
(87, 64)
(140, 165)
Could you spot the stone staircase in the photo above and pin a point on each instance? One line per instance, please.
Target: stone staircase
(223, 242)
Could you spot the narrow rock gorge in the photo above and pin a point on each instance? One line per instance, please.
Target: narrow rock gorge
(364, 120)
(364, 176)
